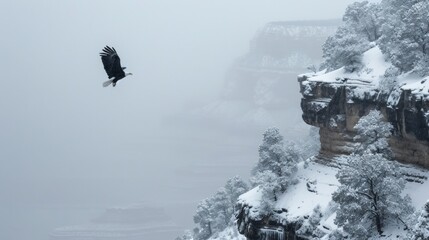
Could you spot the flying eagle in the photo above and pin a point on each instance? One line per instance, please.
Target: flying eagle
(112, 65)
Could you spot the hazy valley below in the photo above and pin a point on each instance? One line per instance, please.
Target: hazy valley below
(192, 115)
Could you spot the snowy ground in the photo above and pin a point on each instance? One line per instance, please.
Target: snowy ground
(368, 79)
(375, 66)
(316, 184)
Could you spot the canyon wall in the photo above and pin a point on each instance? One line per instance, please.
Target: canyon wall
(335, 108)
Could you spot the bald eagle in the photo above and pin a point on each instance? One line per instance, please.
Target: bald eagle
(112, 65)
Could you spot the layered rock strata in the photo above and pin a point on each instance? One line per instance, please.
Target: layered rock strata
(335, 107)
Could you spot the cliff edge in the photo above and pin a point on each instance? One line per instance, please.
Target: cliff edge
(335, 101)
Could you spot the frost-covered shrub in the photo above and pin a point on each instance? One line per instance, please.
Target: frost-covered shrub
(313, 68)
(421, 229)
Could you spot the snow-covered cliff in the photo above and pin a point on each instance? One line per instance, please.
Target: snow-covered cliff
(335, 101)
(316, 183)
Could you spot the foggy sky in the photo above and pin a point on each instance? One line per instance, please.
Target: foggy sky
(66, 140)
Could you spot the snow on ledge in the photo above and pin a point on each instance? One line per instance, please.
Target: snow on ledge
(251, 198)
(375, 67)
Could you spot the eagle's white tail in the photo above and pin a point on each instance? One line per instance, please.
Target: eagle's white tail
(107, 83)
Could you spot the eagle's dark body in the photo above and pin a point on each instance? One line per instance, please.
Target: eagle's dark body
(112, 65)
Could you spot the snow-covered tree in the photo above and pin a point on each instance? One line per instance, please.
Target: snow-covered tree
(364, 19)
(373, 133)
(270, 186)
(309, 225)
(214, 214)
(370, 195)
(405, 34)
(276, 166)
(400, 28)
(389, 80)
(371, 188)
(274, 156)
(344, 49)
(204, 219)
(224, 201)
(234, 187)
(361, 25)
(221, 210)
(421, 229)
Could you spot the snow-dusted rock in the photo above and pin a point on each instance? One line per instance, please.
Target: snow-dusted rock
(336, 100)
(317, 182)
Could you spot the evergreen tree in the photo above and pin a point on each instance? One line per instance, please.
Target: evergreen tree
(371, 188)
(269, 184)
(204, 220)
(361, 25)
(400, 28)
(389, 80)
(369, 195)
(275, 168)
(405, 34)
(364, 19)
(344, 49)
(221, 209)
(371, 185)
(421, 229)
(234, 187)
(277, 158)
(309, 225)
(373, 133)
(214, 214)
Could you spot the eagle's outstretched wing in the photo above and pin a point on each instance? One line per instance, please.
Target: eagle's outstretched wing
(112, 62)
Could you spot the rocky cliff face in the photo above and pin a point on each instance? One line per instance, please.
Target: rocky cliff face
(334, 102)
(262, 77)
(335, 107)
(256, 226)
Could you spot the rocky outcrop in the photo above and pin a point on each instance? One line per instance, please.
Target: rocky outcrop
(289, 217)
(264, 228)
(336, 106)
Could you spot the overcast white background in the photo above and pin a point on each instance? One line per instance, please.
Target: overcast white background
(69, 146)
